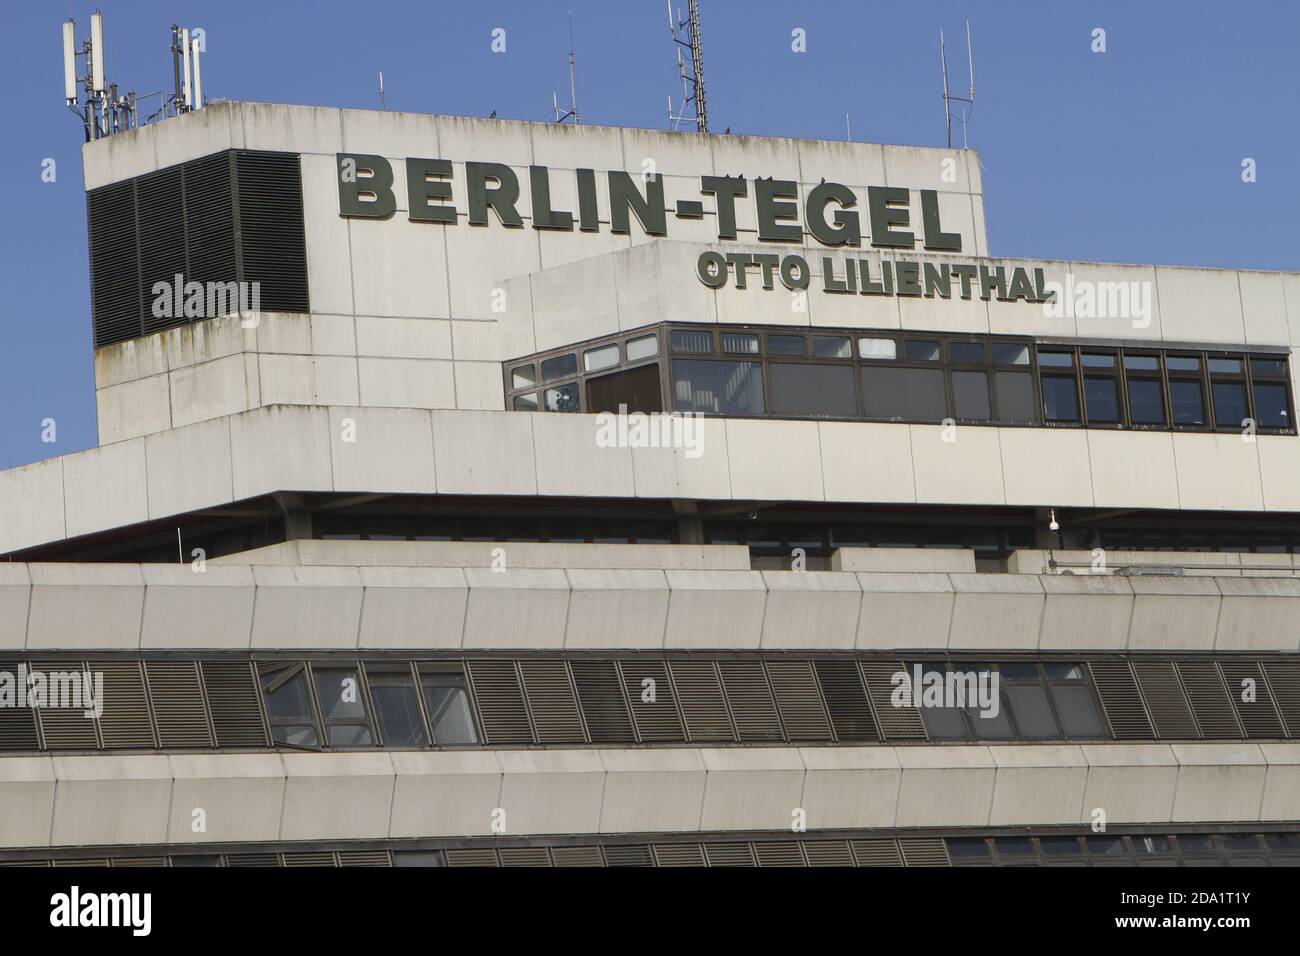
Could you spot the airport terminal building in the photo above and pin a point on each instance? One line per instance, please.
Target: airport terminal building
(476, 492)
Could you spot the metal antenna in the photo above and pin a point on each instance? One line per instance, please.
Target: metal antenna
(572, 111)
(691, 74)
(382, 104)
(948, 98)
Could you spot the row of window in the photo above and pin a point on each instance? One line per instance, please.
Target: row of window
(1142, 849)
(918, 377)
(642, 699)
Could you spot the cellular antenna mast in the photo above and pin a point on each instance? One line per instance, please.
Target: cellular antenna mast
(693, 108)
(572, 112)
(948, 98)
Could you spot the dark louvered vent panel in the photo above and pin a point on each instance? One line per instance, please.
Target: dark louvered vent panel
(551, 702)
(1211, 705)
(798, 700)
(745, 685)
(252, 859)
(654, 706)
(600, 695)
(828, 853)
(500, 700)
(1284, 682)
(99, 862)
(1165, 700)
(1119, 695)
(17, 724)
(924, 851)
(635, 855)
(896, 722)
(779, 853)
(315, 858)
(232, 217)
(233, 699)
(64, 728)
(482, 856)
(125, 723)
(177, 698)
(729, 854)
(679, 854)
(525, 856)
(577, 856)
(699, 692)
(115, 299)
(160, 218)
(271, 228)
(846, 699)
(364, 858)
(138, 861)
(1258, 715)
(877, 853)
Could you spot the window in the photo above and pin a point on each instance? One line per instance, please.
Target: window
(1006, 353)
(903, 394)
(1271, 405)
(523, 376)
(686, 341)
(966, 352)
(636, 389)
(526, 403)
(446, 699)
(970, 395)
(1229, 404)
(1097, 360)
(878, 349)
(1186, 403)
(1060, 398)
(832, 346)
(562, 366)
(1055, 359)
(740, 343)
(342, 706)
(716, 387)
(562, 398)
(1141, 363)
(288, 705)
(1145, 390)
(597, 359)
(921, 350)
(785, 345)
(1101, 399)
(812, 391)
(642, 347)
(1015, 396)
(397, 705)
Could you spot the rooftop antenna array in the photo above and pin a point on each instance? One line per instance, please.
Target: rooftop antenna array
(690, 68)
(383, 104)
(572, 112)
(948, 98)
(97, 103)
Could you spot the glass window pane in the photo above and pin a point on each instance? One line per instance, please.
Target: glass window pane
(970, 395)
(562, 366)
(1101, 398)
(288, 706)
(1060, 400)
(1141, 363)
(1014, 846)
(526, 403)
(921, 350)
(338, 691)
(1268, 366)
(685, 341)
(966, 351)
(1229, 403)
(723, 388)
(641, 348)
(1097, 360)
(785, 344)
(944, 723)
(606, 356)
(637, 389)
(967, 848)
(1007, 353)
(1015, 396)
(397, 709)
(1146, 402)
(1270, 406)
(903, 394)
(1185, 401)
(1060, 846)
(832, 346)
(1033, 713)
(1078, 712)
(448, 705)
(877, 348)
(1055, 359)
(990, 726)
(1226, 366)
(1182, 363)
(813, 391)
(523, 376)
(417, 858)
(741, 343)
(1064, 671)
(562, 398)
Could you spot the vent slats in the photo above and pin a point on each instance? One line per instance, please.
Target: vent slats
(896, 723)
(551, 702)
(699, 693)
(64, 728)
(1284, 682)
(750, 698)
(679, 854)
(877, 852)
(1211, 705)
(532, 856)
(779, 853)
(600, 695)
(1165, 700)
(828, 853)
(17, 723)
(846, 699)
(637, 854)
(799, 701)
(654, 706)
(479, 856)
(924, 851)
(177, 697)
(364, 858)
(125, 722)
(233, 699)
(500, 700)
(1120, 699)
(574, 856)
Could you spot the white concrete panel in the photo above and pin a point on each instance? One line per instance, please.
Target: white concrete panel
(866, 462)
(1279, 463)
(478, 386)
(517, 608)
(807, 610)
(210, 339)
(551, 791)
(188, 468)
(413, 607)
(26, 801)
(399, 267)
(484, 452)
(31, 504)
(406, 383)
(186, 608)
(1263, 307)
(714, 609)
(1132, 469)
(850, 787)
(334, 334)
(1258, 614)
(107, 800)
(15, 600)
(655, 790)
(912, 610)
(390, 450)
(306, 607)
(775, 460)
(904, 560)
(1111, 301)
(241, 797)
(475, 273)
(945, 786)
(1282, 782)
(1173, 613)
(1218, 473)
(105, 487)
(280, 449)
(389, 133)
(923, 167)
(329, 253)
(1200, 305)
(388, 337)
(133, 408)
(335, 380)
(1045, 466)
(85, 606)
(337, 796)
(129, 361)
(954, 314)
(1037, 785)
(118, 157)
(751, 789)
(995, 611)
(311, 129)
(670, 152)
(287, 379)
(570, 462)
(221, 387)
(708, 473)
(1085, 612)
(616, 608)
(1129, 783)
(967, 470)
(1218, 782)
(452, 793)
(1023, 318)
(572, 303)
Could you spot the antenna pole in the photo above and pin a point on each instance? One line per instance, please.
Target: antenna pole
(382, 104)
(573, 83)
(948, 98)
(692, 80)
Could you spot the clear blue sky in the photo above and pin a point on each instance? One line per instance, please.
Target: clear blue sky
(1133, 155)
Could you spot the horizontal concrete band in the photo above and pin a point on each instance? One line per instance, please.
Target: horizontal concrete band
(229, 606)
(461, 452)
(156, 799)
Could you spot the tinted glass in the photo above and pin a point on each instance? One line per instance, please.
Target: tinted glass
(636, 390)
(643, 347)
(1060, 401)
(1015, 397)
(1229, 403)
(904, 394)
(526, 403)
(1182, 363)
(1185, 400)
(877, 348)
(970, 395)
(1078, 713)
(288, 706)
(522, 376)
(417, 858)
(338, 690)
(832, 346)
(1033, 713)
(562, 398)
(1097, 360)
(812, 391)
(720, 388)
(449, 712)
(1056, 359)
(562, 366)
(967, 848)
(397, 709)
(966, 351)
(740, 343)
(1141, 363)
(1227, 366)
(1268, 366)
(606, 356)
(1007, 354)
(684, 341)
(1101, 398)
(921, 351)
(1270, 406)
(1146, 404)
(785, 344)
